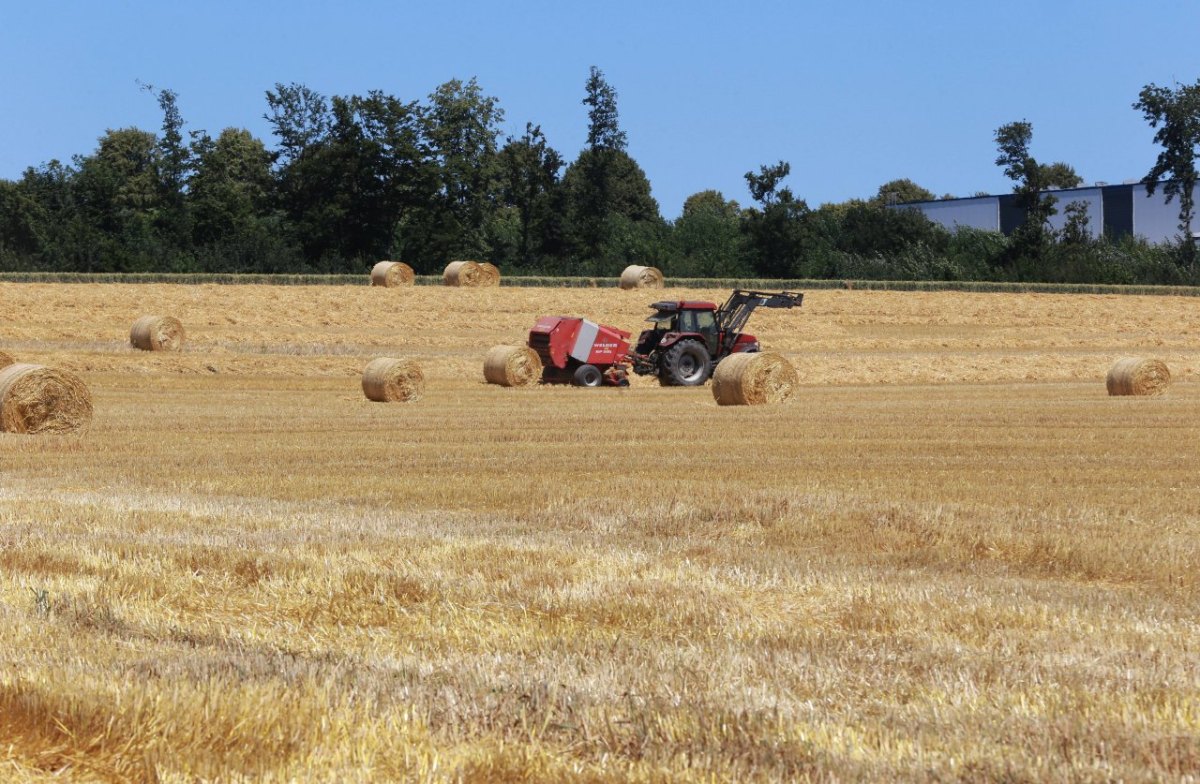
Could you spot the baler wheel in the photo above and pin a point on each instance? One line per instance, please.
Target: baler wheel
(588, 376)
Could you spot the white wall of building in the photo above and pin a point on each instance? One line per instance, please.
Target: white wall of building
(1154, 219)
(981, 213)
(1095, 209)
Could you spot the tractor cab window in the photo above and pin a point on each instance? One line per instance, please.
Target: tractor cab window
(704, 323)
(701, 321)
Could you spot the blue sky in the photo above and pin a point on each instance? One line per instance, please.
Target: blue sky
(852, 94)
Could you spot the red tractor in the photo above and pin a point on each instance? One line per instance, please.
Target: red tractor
(687, 340)
(690, 337)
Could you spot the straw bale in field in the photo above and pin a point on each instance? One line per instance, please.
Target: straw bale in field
(638, 277)
(1132, 376)
(6, 359)
(157, 333)
(463, 273)
(388, 380)
(38, 399)
(512, 366)
(490, 272)
(390, 274)
(753, 378)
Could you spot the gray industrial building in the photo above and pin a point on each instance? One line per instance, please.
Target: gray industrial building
(1114, 210)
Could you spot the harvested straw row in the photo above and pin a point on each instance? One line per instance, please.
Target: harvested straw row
(388, 380)
(156, 333)
(491, 274)
(1132, 376)
(37, 399)
(512, 366)
(753, 378)
(637, 277)
(6, 359)
(390, 274)
(463, 273)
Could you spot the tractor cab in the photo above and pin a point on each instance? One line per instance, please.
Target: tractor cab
(672, 321)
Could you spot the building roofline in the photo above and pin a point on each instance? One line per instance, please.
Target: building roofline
(1050, 191)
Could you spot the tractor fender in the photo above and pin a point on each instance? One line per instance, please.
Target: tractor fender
(671, 338)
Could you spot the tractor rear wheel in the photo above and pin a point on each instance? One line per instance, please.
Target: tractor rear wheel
(685, 364)
(587, 376)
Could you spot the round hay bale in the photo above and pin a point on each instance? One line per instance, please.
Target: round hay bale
(38, 399)
(390, 274)
(752, 379)
(157, 333)
(6, 359)
(388, 380)
(1132, 376)
(490, 272)
(512, 366)
(637, 277)
(463, 273)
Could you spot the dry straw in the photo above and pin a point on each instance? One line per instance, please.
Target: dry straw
(37, 399)
(463, 273)
(1132, 376)
(637, 277)
(490, 272)
(512, 366)
(157, 333)
(390, 274)
(388, 380)
(753, 378)
(6, 359)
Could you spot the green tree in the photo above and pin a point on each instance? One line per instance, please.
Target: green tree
(601, 186)
(42, 227)
(354, 207)
(20, 217)
(529, 171)
(402, 160)
(1174, 113)
(780, 235)
(606, 196)
(764, 186)
(874, 230)
(301, 121)
(348, 169)
(175, 167)
(1077, 229)
(175, 158)
(604, 130)
(321, 186)
(900, 192)
(708, 238)
(118, 194)
(1060, 175)
(234, 227)
(299, 118)
(462, 131)
(1031, 181)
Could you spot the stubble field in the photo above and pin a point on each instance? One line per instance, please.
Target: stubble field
(950, 557)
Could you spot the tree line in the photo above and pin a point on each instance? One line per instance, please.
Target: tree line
(354, 179)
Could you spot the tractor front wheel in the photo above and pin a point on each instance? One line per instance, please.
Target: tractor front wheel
(587, 376)
(685, 364)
